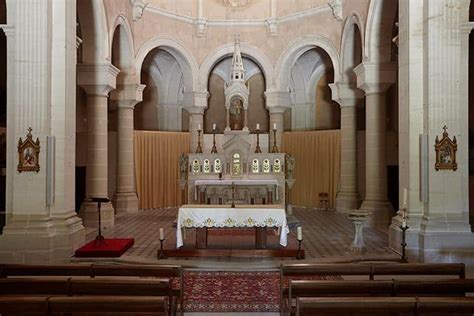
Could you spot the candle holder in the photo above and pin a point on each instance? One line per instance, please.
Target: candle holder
(214, 148)
(299, 252)
(199, 149)
(161, 254)
(258, 150)
(403, 259)
(275, 147)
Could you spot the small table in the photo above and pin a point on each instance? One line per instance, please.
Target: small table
(202, 217)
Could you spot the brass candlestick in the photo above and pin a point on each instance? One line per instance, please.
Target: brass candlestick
(275, 147)
(257, 149)
(214, 148)
(199, 149)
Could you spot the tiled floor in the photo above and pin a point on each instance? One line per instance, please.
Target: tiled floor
(327, 238)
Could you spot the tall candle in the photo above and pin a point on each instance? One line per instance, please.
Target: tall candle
(199, 126)
(162, 234)
(404, 222)
(258, 126)
(214, 126)
(404, 204)
(299, 233)
(274, 125)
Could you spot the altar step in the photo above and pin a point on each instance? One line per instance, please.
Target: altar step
(232, 253)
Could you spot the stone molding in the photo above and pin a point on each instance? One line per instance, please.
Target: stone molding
(277, 101)
(97, 79)
(375, 77)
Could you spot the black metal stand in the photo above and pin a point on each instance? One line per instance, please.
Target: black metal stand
(214, 148)
(299, 252)
(275, 147)
(233, 194)
(199, 149)
(258, 150)
(403, 244)
(161, 254)
(99, 239)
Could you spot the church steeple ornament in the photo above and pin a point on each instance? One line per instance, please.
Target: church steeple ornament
(237, 70)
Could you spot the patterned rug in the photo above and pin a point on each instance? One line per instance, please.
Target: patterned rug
(219, 291)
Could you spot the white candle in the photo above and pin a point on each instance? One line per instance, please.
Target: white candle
(299, 233)
(404, 222)
(214, 126)
(404, 204)
(274, 125)
(258, 126)
(199, 126)
(162, 234)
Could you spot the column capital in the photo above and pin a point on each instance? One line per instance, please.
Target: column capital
(375, 77)
(127, 95)
(9, 30)
(346, 94)
(97, 79)
(277, 100)
(195, 99)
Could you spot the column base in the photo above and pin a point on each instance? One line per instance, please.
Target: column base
(39, 239)
(346, 201)
(126, 203)
(90, 216)
(380, 213)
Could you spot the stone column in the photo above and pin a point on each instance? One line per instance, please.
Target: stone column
(375, 79)
(126, 97)
(277, 102)
(97, 81)
(347, 96)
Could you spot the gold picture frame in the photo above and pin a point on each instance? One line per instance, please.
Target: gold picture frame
(446, 152)
(28, 153)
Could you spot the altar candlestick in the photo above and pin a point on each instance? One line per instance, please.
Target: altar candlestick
(258, 126)
(404, 204)
(199, 126)
(214, 126)
(162, 234)
(274, 126)
(299, 233)
(404, 222)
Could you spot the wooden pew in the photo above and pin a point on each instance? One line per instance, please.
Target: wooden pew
(445, 306)
(24, 305)
(14, 270)
(310, 306)
(433, 287)
(108, 305)
(35, 286)
(418, 269)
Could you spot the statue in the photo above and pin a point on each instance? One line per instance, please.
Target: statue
(236, 114)
(183, 167)
(290, 166)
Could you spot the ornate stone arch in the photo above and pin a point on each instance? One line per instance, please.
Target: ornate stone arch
(226, 50)
(126, 68)
(177, 50)
(288, 58)
(122, 21)
(353, 20)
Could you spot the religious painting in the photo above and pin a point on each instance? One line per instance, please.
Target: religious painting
(446, 152)
(236, 169)
(236, 114)
(28, 153)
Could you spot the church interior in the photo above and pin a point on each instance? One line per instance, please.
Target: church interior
(236, 157)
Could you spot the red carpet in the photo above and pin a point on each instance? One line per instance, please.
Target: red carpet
(111, 248)
(216, 291)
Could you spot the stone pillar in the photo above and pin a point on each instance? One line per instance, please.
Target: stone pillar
(97, 81)
(347, 96)
(375, 79)
(277, 102)
(125, 98)
(42, 226)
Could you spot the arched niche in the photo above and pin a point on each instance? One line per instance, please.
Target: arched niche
(311, 104)
(162, 107)
(216, 111)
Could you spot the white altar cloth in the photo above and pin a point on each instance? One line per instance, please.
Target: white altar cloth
(197, 217)
(236, 182)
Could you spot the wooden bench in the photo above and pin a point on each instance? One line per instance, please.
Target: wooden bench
(99, 270)
(310, 306)
(25, 305)
(426, 269)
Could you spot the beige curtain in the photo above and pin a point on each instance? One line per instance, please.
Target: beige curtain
(156, 167)
(317, 164)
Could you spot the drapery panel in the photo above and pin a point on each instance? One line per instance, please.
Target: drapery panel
(317, 165)
(156, 167)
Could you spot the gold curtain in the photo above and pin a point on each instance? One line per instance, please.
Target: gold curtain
(156, 167)
(317, 165)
